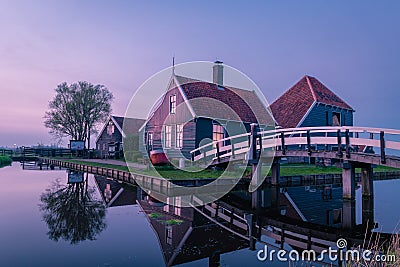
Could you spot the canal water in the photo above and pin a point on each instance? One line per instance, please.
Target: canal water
(46, 221)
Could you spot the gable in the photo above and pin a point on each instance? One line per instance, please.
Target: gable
(131, 125)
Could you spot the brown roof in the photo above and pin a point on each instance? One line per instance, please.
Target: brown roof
(241, 104)
(290, 108)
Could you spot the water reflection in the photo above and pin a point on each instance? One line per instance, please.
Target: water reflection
(287, 217)
(71, 211)
(290, 218)
(185, 235)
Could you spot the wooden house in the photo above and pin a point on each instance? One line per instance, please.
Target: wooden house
(310, 103)
(109, 142)
(193, 112)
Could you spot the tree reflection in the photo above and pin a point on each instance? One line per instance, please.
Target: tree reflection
(71, 212)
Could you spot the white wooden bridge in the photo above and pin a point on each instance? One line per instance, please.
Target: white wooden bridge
(344, 144)
(345, 141)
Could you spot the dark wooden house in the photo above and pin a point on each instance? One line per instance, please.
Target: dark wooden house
(109, 142)
(193, 112)
(310, 103)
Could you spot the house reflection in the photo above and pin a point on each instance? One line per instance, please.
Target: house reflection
(114, 193)
(185, 235)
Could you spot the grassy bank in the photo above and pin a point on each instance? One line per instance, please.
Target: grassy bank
(170, 172)
(306, 169)
(164, 171)
(5, 161)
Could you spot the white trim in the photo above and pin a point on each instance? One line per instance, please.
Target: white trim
(180, 245)
(111, 117)
(173, 78)
(118, 127)
(185, 99)
(295, 207)
(305, 115)
(102, 129)
(115, 197)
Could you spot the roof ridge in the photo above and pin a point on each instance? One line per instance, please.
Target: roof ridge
(311, 88)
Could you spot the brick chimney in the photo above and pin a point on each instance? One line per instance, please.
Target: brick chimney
(218, 73)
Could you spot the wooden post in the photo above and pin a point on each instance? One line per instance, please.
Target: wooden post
(232, 149)
(339, 141)
(368, 219)
(275, 172)
(308, 142)
(348, 181)
(217, 146)
(283, 144)
(367, 180)
(349, 214)
(347, 137)
(382, 141)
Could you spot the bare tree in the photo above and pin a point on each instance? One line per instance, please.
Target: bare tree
(77, 110)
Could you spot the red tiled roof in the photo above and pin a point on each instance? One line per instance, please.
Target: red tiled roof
(324, 95)
(239, 102)
(290, 108)
(199, 94)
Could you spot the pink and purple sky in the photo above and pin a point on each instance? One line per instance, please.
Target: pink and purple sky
(352, 47)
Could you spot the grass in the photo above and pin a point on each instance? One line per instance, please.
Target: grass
(307, 169)
(173, 222)
(163, 171)
(196, 173)
(5, 161)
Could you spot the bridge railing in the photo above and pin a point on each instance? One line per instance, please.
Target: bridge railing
(343, 139)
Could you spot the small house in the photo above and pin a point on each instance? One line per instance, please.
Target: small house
(109, 142)
(310, 103)
(193, 112)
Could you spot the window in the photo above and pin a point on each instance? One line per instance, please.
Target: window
(110, 128)
(179, 136)
(336, 119)
(218, 132)
(172, 104)
(168, 235)
(167, 136)
(150, 139)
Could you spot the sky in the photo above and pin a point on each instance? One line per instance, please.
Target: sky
(350, 46)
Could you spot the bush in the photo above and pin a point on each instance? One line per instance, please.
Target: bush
(5, 160)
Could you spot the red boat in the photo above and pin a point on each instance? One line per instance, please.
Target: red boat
(158, 157)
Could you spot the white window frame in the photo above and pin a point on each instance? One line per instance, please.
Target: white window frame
(172, 104)
(179, 136)
(167, 136)
(150, 138)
